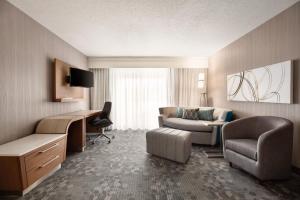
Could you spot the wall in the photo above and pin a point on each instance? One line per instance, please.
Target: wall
(27, 50)
(276, 40)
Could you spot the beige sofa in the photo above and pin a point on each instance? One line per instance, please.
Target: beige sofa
(201, 133)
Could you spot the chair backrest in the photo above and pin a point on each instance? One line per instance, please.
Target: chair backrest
(106, 110)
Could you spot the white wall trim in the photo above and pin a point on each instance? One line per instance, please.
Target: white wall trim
(148, 62)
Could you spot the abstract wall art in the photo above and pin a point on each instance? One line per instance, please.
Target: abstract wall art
(271, 84)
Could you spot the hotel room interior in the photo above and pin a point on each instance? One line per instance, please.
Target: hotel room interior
(150, 99)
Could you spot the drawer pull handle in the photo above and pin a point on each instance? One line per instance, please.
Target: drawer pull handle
(50, 161)
(48, 148)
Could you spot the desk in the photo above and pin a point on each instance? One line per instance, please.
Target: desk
(29, 160)
(73, 124)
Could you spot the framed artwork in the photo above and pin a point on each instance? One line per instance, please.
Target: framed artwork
(270, 84)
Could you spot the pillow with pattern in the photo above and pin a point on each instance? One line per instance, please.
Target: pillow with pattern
(190, 114)
(207, 114)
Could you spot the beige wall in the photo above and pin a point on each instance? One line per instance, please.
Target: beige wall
(26, 53)
(275, 41)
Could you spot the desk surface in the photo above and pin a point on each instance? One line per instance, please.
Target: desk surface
(27, 144)
(85, 113)
(60, 123)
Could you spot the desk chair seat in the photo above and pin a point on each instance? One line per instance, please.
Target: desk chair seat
(101, 122)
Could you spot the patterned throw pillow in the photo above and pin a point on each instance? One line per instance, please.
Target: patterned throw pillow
(179, 112)
(207, 115)
(190, 114)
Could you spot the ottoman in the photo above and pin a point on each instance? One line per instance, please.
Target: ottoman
(169, 143)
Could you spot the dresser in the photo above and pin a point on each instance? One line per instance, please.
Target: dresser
(25, 162)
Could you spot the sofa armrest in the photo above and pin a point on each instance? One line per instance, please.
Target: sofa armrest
(161, 119)
(276, 146)
(168, 111)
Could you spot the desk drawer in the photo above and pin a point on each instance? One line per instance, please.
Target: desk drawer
(45, 168)
(42, 155)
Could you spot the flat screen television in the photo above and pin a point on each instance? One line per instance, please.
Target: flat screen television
(81, 78)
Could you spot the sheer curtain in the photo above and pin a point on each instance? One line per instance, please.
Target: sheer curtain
(137, 93)
(185, 91)
(100, 92)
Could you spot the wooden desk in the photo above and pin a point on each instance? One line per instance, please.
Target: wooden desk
(73, 124)
(26, 162)
(29, 160)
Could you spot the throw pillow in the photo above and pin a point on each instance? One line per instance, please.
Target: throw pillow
(190, 114)
(179, 112)
(207, 115)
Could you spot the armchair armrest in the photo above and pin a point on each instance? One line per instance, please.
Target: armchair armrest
(276, 146)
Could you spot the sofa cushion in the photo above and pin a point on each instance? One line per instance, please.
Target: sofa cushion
(186, 124)
(222, 114)
(206, 114)
(190, 114)
(246, 147)
(179, 112)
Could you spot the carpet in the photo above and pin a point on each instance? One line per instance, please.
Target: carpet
(123, 170)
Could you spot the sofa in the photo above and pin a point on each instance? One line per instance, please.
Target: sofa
(260, 145)
(200, 132)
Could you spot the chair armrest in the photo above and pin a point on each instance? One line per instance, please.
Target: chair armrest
(161, 119)
(276, 146)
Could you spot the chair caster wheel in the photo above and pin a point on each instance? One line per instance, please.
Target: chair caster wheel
(108, 142)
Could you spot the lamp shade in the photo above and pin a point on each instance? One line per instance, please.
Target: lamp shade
(201, 80)
(201, 77)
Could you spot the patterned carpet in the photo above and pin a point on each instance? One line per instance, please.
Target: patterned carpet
(123, 170)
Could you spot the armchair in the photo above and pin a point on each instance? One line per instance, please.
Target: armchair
(260, 145)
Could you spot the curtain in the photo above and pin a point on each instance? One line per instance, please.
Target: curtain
(100, 92)
(184, 86)
(137, 93)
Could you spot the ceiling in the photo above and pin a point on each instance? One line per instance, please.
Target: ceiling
(151, 27)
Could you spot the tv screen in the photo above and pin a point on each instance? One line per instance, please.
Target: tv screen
(81, 78)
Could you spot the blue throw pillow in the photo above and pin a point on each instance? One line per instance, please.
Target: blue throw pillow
(179, 112)
(207, 115)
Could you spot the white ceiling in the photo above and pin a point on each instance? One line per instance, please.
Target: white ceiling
(151, 27)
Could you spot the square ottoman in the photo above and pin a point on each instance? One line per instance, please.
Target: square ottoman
(169, 143)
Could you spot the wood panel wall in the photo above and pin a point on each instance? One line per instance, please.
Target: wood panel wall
(276, 40)
(27, 50)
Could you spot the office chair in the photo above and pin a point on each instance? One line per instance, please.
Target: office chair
(102, 121)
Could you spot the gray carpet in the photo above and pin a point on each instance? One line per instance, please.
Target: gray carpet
(123, 170)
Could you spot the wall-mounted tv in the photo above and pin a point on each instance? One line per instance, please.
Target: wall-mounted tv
(81, 78)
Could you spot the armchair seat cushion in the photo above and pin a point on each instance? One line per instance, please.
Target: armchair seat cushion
(246, 147)
(186, 124)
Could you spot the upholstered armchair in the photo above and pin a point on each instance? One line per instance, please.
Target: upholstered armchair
(260, 145)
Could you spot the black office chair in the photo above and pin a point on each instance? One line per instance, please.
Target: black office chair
(102, 121)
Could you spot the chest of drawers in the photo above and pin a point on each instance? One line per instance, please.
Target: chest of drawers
(25, 162)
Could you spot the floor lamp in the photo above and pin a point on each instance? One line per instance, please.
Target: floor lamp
(202, 87)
